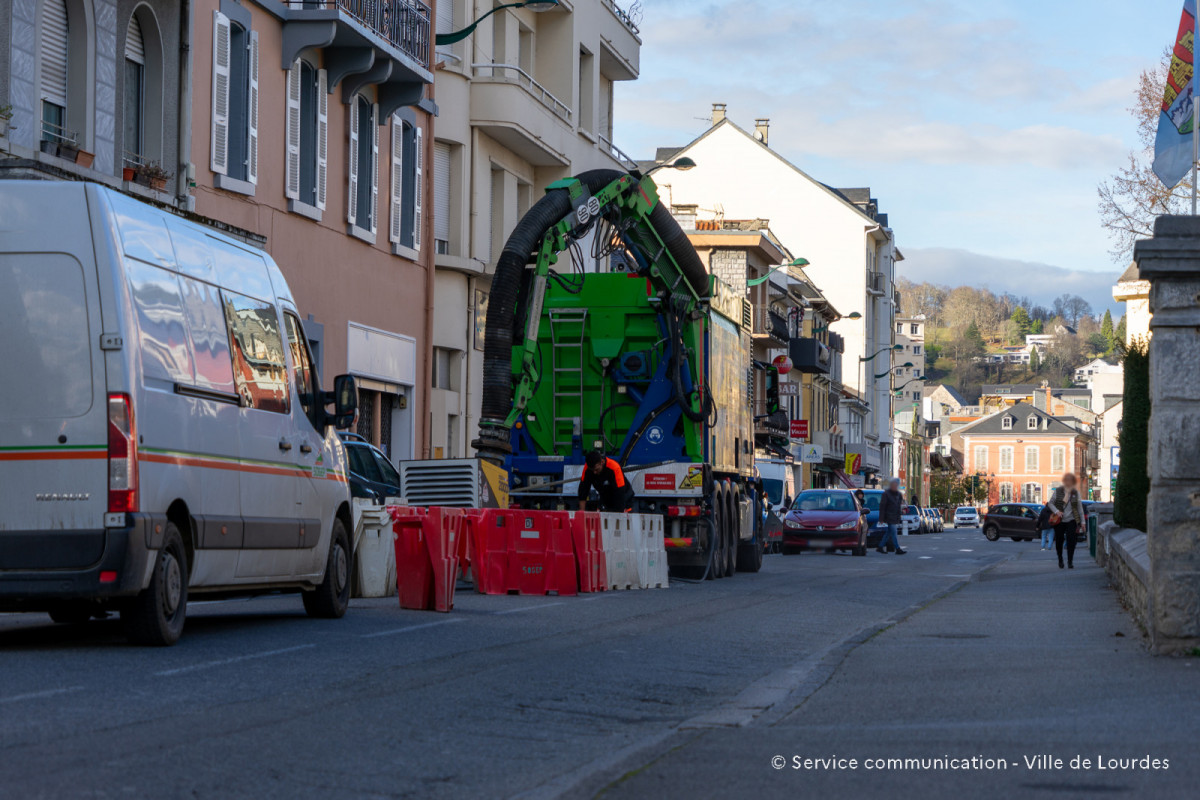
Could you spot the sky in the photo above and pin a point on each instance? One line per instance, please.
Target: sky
(982, 128)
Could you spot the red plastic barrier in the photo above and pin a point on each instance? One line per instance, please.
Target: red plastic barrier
(427, 549)
(522, 552)
(589, 551)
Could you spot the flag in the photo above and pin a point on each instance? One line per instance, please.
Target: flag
(1173, 153)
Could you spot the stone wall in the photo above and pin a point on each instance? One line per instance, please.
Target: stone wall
(1122, 553)
(730, 267)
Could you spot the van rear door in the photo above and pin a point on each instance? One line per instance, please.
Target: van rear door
(53, 406)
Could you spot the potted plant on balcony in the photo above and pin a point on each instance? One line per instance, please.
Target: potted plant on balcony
(67, 149)
(152, 174)
(83, 158)
(5, 116)
(128, 173)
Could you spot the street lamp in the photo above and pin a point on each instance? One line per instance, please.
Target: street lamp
(862, 360)
(799, 262)
(458, 36)
(683, 164)
(905, 365)
(851, 315)
(896, 391)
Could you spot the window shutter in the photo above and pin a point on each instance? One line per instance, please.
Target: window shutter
(135, 49)
(220, 103)
(397, 179)
(252, 145)
(322, 136)
(441, 191)
(54, 52)
(418, 188)
(292, 160)
(374, 215)
(352, 204)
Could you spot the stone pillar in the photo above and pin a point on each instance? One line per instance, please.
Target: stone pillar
(1171, 262)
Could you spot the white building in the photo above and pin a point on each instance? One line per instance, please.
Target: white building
(850, 248)
(526, 100)
(909, 381)
(1097, 366)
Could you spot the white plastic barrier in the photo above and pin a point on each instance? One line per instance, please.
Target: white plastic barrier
(374, 550)
(621, 540)
(652, 553)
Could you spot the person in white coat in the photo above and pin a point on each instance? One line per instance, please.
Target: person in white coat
(1068, 516)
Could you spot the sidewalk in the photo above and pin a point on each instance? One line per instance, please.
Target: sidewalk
(1025, 660)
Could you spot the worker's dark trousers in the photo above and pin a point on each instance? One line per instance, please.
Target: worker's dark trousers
(1070, 532)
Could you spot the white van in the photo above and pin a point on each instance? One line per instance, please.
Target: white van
(162, 433)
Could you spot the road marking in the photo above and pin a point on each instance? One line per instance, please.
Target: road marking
(16, 698)
(525, 608)
(925, 558)
(412, 628)
(966, 551)
(223, 662)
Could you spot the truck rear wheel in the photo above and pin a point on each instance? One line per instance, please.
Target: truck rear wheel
(717, 562)
(733, 531)
(156, 616)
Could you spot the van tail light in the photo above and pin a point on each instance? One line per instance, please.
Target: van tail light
(122, 455)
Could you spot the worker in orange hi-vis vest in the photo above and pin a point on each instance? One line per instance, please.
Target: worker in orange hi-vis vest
(605, 476)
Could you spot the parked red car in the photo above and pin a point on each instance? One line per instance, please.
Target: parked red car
(825, 519)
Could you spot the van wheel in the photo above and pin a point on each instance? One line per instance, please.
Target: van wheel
(332, 597)
(156, 616)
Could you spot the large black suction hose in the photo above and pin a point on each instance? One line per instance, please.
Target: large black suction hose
(493, 443)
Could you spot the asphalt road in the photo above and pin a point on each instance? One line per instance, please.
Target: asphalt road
(684, 692)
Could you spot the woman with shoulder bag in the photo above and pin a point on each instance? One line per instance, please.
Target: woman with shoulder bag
(1067, 516)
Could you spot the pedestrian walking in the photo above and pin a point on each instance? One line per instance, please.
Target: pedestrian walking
(1067, 515)
(891, 506)
(608, 479)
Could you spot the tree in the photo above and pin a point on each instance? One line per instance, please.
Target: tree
(1035, 360)
(1131, 199)
(1098, 344)
(1021, 318)
(1037, 327)
(975, 339)
(1071, 307)
(1107, 331)
(1133, 481)
(1119, 334)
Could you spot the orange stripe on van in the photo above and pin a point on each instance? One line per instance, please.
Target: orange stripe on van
(53, 455)
(185, 461)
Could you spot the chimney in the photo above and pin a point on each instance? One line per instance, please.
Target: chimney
(762, 131)
(718, 114)
(1049, 401)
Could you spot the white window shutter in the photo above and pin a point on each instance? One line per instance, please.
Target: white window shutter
(397, 180)
(419, 169)
(374, 215)
(352, 203)
(220, 102)
(322, 136)
(252, 145)
(292, 162)
(54, 52)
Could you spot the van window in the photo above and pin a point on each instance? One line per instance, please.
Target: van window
(45, 355)
(143, 230)
(162, 330)
(240, 268)
(209, 336)
(259, 367)
(302, 371)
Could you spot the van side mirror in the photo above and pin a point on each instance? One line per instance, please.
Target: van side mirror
(345, 401)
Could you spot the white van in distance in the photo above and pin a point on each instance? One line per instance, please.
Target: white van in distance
(162, 429)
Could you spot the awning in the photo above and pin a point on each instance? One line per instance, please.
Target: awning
(845, 479)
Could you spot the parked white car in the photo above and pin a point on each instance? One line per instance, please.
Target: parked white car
(162, 431)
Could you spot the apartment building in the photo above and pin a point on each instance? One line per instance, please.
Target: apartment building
(90, 90)
(1023, 452)
(909, 381)
(310, 129)
(525, 100)
(847, 241)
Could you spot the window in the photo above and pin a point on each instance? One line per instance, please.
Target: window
(916, 395)
(899, 327)
(1058, 459)
(1006, 493)
(133, 111)
(914, 329)
(1032, 422)
(303, 377)
(235, 101)
(981, 459)
(1031, 460)
(1031, 493)
(307, 134)
(1006, 459)
(54, 37)
(441, 197)
(445, 365)
(587, 95)
(259, 366)
(407, 191)
(1006, 423)
(916, 349)
(364, 153)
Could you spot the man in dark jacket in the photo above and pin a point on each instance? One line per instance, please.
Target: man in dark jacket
(605, 476)
(891, 506)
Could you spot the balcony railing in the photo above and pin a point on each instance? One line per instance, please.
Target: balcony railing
(771, 323)
(620, 155)
(833, 444)
(623, 15)
(404, 24)
(513, 74)
(777, 424)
